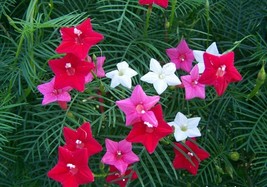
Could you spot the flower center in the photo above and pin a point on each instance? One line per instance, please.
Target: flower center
(69, 69)
(195, 82)
(77, 31)
(190, 154)
(221, 71)
(78, 39)
(121, 73)
(149, 127)
(72, 168)
(57, 91)
(140, 109)
(182, 58)
(184, 127)
(119, 154)
(79, 144)
(161, 76)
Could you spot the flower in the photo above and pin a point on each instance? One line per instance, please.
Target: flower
(80, 139)
(185, 127)
(115, 176)
(119, 154)
(161, 77)
(70, 71)
(212, 49)
(78, 40)
(181, 56)
(162, 3)
(51, 94)
(219, 71)
(72, 168)
(137, 107)
(121, 76)
(192, 87)
(194, 156)
(147, 134)
(98, 70)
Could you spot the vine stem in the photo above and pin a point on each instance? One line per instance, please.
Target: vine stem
(172, 13)
(148, 14)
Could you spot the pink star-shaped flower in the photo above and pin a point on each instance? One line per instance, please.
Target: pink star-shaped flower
(82, 138)
(98, 70)
(116, 177)
(196, 155)
(137, 107)
(51, 94)
(72, 168)
(181, 56)
(78, 40)
(219, 71)
(162, 3)
(70, 71)
(149, 136)
(192, 87)
(119, 154)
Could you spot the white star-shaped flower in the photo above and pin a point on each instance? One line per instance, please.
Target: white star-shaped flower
(161, 77)
(185, 127)
(212, 49)
(121, 76)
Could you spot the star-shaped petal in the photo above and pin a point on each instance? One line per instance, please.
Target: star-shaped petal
(162, 3)
(137, 107)
(147, 134)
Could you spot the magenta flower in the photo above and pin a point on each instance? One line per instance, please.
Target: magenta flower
(119, 154)
(137, 107)
(51, 94)
(181, 56)
(192, 87)
(98, 69)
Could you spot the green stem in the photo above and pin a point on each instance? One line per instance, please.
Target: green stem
(207, 7)
(148, 14)
(172, 13)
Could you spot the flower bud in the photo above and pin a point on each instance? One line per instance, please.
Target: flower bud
(261, 75)
(234, 156)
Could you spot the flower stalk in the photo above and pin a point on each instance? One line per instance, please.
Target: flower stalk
(148, 14)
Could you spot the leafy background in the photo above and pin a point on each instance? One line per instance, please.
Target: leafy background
(31, 133)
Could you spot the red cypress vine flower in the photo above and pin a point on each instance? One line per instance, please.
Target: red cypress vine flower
(162, 3)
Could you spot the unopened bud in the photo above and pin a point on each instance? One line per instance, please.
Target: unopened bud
(234, 156)
(261, 75)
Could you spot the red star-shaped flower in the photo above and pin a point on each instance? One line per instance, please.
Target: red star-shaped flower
(78, 40)
(80, 139)
(116, 177)
(70, 71)
(196, 155)
(149, 135)
(162, 3)
(219, 71)
(72, 168)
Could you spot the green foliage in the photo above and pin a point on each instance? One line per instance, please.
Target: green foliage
(31, 133)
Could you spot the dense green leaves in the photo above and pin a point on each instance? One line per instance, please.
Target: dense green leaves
(31, 133)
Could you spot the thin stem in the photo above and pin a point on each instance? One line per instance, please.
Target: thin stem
(148, 14)
(172, 13)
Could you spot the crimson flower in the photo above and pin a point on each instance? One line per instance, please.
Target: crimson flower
(70, 71)
(195, 154)
(219, 71)
(119, 154)
(78, 40)
(137, 107)
(81, 138)
(116, 177)
(147, 134)
(162, 3)
(72, 168)
(182, 56)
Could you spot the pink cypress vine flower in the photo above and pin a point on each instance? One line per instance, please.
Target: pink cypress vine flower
(219, 71)
(82, 138)
(181, 56)
(78, 40)
(162, 3)
(116, 177)
(70, 71)
(51, 94)
(192, 87)
(72, 168)
(98, 70)
(137, 107)
(119, 154)
(149, 136)
(196, 155)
